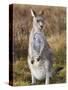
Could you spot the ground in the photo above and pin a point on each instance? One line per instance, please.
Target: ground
(55, 32)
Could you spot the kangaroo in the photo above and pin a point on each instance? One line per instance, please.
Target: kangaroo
(40, 57)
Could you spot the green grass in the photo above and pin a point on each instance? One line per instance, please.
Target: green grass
(21, 72)
(55, 31)
(20, 83)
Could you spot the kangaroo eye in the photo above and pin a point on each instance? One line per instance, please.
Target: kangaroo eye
(37, 20)
(32, 61)
(38, 59)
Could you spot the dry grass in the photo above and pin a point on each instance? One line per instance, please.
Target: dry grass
(57, 41)
(55, 31)
(22, 74)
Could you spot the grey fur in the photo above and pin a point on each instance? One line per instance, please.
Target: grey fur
(39, 51)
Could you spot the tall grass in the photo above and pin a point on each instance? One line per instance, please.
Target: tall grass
(54, 30)
(21, 72)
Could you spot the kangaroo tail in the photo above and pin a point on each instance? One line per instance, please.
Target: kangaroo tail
(57, 70)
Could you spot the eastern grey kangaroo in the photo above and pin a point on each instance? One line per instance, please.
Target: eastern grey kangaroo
(39, 52)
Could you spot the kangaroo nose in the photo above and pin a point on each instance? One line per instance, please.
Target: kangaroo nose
(32, 61)
(41, 26)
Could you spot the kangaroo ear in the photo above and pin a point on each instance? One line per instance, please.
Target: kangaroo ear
(41, 12)
(33, 13)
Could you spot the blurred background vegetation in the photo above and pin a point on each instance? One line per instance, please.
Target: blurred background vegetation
(55, 32)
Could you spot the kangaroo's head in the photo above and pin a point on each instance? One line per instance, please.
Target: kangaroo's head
(36, 61)
(38, 21)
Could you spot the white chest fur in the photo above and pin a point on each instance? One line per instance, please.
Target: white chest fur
(39, 72)
(39, 69)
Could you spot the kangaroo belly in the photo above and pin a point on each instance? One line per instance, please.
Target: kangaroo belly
(39, 72)
(39, 69)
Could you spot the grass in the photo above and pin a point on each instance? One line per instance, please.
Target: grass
(55, 31)
(21, 72)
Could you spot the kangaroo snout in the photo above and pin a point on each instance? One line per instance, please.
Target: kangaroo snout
(41, 26)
